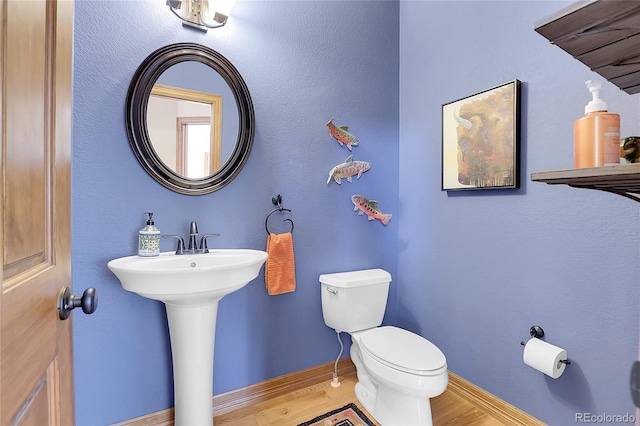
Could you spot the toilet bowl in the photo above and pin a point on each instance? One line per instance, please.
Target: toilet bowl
(398, 371)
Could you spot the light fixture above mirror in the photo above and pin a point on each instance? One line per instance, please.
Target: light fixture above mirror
(202, 14)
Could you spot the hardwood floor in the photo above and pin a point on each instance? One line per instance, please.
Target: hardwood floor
(301, 396)
(295, 407)
(304, 404)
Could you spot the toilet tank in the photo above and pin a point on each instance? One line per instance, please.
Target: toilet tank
(356, 300)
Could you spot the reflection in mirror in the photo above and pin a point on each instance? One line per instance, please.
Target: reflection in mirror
(197, 157)
(186, 129)
(194, 82)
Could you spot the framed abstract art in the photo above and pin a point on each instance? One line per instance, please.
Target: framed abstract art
(481, 140)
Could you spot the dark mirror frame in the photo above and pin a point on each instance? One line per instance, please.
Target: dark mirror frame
(136, 117)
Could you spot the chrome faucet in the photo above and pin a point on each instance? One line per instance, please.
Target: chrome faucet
(193, 233)
(192, 248)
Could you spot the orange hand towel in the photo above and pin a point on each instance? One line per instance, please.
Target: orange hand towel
(280, 268)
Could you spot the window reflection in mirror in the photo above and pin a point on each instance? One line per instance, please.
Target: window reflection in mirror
(186, 129)
(195, 159)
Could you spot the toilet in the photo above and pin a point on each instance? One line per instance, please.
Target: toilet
(398, 371)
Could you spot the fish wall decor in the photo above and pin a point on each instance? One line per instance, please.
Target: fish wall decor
(370, 208)
(342, 135)
(348, 169)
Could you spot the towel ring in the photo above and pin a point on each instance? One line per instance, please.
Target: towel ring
(277, 200)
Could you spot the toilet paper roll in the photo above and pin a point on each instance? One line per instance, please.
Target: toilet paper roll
(544, 357)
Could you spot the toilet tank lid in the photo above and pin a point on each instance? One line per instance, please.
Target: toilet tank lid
(356, 278)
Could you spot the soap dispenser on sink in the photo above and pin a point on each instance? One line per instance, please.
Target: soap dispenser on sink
(149, 239)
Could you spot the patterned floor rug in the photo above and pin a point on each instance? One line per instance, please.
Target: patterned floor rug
(349, 415)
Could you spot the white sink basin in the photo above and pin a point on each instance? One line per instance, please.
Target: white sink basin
(190, 287)
(188, 278)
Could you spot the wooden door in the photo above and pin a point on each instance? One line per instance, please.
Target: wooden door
(36, 370)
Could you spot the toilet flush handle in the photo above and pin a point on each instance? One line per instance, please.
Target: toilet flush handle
(332, 290)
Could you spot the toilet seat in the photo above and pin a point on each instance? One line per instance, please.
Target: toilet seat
(404, 351)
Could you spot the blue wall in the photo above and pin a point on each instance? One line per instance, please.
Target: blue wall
(304, 63)
(477, 269)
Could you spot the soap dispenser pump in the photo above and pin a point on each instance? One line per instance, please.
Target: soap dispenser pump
(597, 134)
(149, 239)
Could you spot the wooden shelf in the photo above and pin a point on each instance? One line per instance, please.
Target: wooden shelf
(622, 180)
(602, 34)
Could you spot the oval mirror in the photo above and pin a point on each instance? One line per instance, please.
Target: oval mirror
(190, 118)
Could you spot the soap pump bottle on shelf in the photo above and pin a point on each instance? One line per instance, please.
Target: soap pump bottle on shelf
(597, 134)
(149, 239)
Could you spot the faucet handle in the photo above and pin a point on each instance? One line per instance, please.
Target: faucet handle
(180, 249)
(203, 242)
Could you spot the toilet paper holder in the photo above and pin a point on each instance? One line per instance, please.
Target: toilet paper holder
(537, 332)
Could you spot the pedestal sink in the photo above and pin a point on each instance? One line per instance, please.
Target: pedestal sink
(190, 287)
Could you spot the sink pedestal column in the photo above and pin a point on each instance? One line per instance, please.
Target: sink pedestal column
(192, 330)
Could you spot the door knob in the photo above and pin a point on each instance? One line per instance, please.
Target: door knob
(67, 302)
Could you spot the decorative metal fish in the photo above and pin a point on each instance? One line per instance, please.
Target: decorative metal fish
(370, 208)
(630, 149)
(348, 169)
(342, 135)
